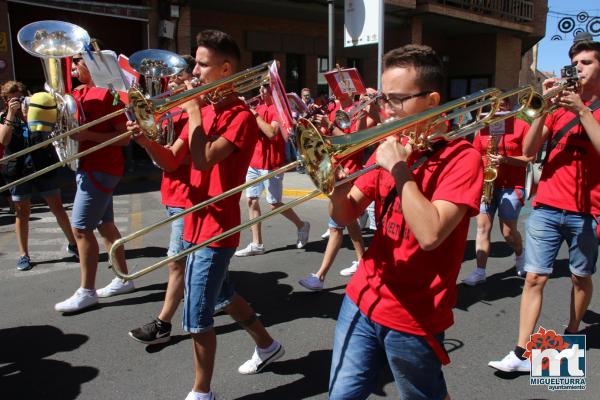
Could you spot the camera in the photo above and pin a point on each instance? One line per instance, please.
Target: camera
(569, 72)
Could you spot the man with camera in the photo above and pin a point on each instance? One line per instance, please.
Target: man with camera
(567, 203)
(16, 135)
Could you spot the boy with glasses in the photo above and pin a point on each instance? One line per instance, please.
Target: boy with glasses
(399, 302)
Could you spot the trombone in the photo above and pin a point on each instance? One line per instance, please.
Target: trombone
(148, 112)
(345, 119)
(322, 156)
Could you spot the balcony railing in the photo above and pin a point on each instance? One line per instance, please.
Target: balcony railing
(511, 10)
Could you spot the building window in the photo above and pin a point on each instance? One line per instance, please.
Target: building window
(322, 64)
(259, 57)
(295, 76)
(355, 63)
(459, 87)
(322, 67)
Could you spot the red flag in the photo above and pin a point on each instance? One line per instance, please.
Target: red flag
(281, 102)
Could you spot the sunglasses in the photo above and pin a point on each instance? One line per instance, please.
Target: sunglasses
(396, 101)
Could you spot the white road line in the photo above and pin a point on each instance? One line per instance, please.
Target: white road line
(52, 220)
(122, 229)
(38, 270)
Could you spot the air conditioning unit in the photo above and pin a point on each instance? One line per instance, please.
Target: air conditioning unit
(166, 29)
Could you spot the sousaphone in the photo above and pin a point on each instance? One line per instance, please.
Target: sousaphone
(54, 42)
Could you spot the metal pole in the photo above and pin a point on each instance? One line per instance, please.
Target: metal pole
(380, 44)
(331, 40)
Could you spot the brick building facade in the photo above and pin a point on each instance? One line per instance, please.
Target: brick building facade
(481, 42)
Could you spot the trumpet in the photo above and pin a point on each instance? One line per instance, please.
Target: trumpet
(255, 101)
(322, 155)
(344, 119)
(541, 103)
(148, 112)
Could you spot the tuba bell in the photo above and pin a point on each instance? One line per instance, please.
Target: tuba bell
(54, 42)
(154, 65)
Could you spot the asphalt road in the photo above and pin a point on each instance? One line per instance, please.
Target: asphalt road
(45, 355)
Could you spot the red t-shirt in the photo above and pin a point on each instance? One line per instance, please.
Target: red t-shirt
(174, 187)
(355, 162)
(570, 179)
(236, 124)
(398, 284)
(95, 103)
(509, 144)
(268, 154)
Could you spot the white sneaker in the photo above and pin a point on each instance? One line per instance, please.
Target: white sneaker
(261, 359)
(520, 264)
(511, 363)
(311, 282)
(116, 286)
(325, 235)
(303, 235)
(80, 300)
(475, 278)
(350, 270)
(192, 396)
(251, 250)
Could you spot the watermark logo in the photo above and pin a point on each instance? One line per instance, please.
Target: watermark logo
(557, 361)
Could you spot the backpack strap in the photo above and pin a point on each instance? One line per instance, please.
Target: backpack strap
(551, 145)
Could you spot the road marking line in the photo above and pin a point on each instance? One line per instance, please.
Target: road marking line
(302, 192)
(52, 220)
(38, 270)
(58, 230)
(136, 219)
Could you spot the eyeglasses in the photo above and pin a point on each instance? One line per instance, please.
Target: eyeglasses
(76, 60)
(396, 101)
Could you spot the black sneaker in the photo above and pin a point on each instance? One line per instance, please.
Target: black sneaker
(152, 333)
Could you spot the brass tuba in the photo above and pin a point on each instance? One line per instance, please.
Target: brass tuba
(154, 65)
(54, 42)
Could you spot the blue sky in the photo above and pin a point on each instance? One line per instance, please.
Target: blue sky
(552, 54)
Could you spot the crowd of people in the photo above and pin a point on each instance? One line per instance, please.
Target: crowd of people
(399, 299)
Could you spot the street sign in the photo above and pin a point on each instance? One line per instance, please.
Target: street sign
(361, 22)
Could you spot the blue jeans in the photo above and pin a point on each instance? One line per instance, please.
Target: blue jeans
(176, 238)
(547, 227)
(360, 349)
(207, 286)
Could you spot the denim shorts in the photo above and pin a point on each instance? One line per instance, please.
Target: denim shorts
(273, 186)
(547, 227)
(360, 349)
(508, 202)
(176, 239)
(93, 204)
(207, 286)
(334, 225)
(46, 186)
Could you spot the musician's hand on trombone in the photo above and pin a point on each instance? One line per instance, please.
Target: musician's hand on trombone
(391, 151)
(195, 103)
(571, 101)
(136, 133)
